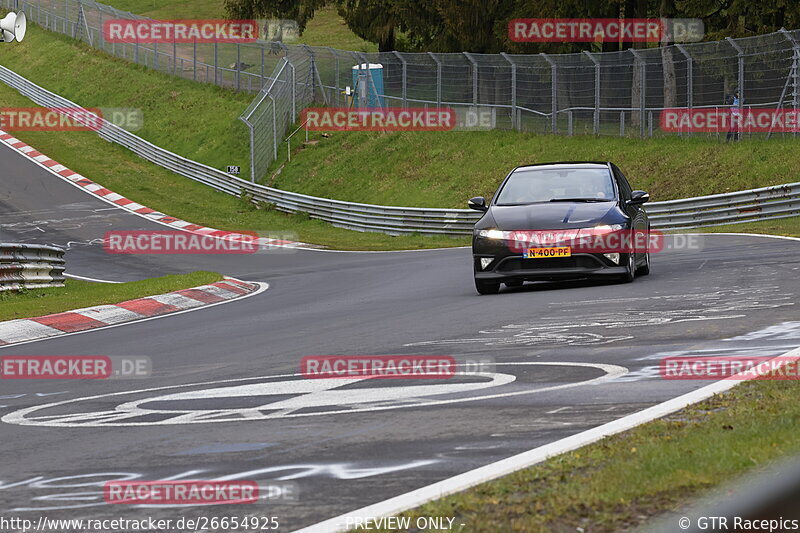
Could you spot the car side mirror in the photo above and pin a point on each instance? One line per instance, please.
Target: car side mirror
(638, 198)
(478, 203)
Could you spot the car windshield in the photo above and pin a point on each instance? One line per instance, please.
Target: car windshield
(552, 185)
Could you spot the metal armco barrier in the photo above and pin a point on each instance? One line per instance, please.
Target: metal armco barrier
(757, 204)
(30, 266)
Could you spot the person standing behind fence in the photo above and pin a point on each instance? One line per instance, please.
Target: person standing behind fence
(736, 116)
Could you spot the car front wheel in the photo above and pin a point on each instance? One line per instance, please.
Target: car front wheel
(645, 269)
(487, 287)
(630, 270)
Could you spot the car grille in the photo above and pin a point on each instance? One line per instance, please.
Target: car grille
(520, 263)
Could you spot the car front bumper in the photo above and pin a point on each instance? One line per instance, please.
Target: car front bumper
(519, 268)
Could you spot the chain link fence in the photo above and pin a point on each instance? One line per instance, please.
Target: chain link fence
(612, 93)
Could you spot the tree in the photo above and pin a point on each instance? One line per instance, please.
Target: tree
(299, 10)
(482, 25)
(667, 10)
(372, 20)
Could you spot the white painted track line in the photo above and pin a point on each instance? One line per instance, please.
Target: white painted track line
(461, 482)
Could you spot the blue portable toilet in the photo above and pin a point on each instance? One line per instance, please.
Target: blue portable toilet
(368, 85)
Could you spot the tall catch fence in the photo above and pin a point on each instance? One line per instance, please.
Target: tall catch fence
(612, 93)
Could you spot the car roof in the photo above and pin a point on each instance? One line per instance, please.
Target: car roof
(566, 164)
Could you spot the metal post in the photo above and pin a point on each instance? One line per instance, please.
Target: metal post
(438, 79)
(370, 82)
(238, 65)
(740, 77)
(596, 125)
(405, 74)
(622, 123)
(135, 50)
(474, 79)
(194, 60)
(310, 53)
(357, 85)
(274, 128)
(216, 63)
(336, 75)
(553, 93)
(794, 73)
(155, 56)
(261, 85)
(252, 152)
(569, 123)
(642, 90)
(294, 91)
(689, 79)
(514, 111)
(100, 38)
(174, 56)
(84, 24)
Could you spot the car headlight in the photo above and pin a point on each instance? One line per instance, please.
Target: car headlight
(607, 228)
(492, 234)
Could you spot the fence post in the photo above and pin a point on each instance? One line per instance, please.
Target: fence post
(596, 125)
(85, 25)
(216, 63)
(175, 56)
(642, 90)
(336, 75)
(689, 79)
(294, 90)
(100, 37)
(252, 151)
(622, 123)
(370, 81)
(238, 65)
(438, 79)
(794, 73)
(357, 85)
(553, 93)
(405, 79)
(310, 53)
(274, 129)
(515, 123)
(261, 85)
(155, 56)
(474, 78)
(740, 76)
(194, 60)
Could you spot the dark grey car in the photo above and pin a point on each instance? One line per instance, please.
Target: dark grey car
(579, 197)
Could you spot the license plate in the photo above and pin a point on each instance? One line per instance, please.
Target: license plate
(542, 253)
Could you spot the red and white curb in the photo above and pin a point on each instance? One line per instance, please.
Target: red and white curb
(101, 316)
(129, 205)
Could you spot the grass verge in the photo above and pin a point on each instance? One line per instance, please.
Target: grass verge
(129, 175)
(443, 169)
(414, 169)
(196, 120)
(622, 481)
(78, 294)
(327, 28)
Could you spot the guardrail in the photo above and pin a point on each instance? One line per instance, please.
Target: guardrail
(757, 204)
(30, 266)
